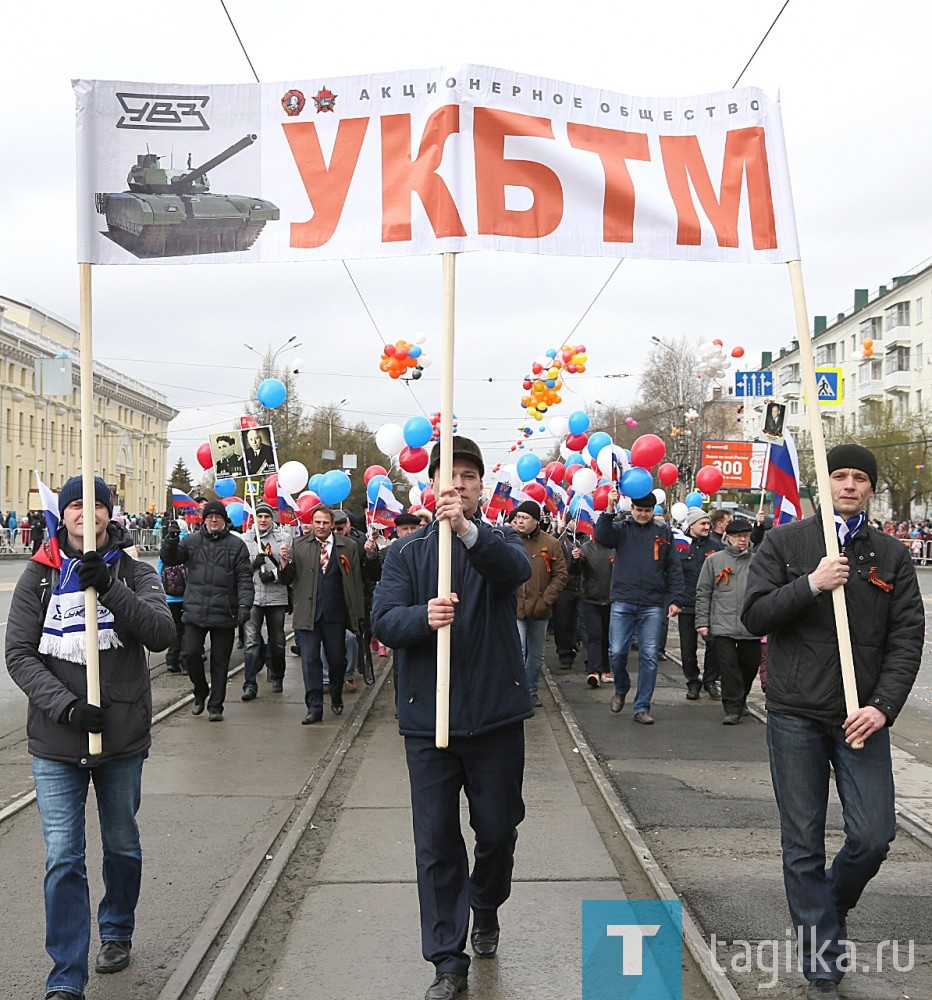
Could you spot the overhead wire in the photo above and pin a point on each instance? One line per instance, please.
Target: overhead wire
(243, 47)
(760, 43)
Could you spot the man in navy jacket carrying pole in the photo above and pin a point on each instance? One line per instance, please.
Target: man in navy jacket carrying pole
(489, 701)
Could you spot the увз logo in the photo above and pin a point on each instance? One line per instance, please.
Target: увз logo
(632, 949)
(163, 112)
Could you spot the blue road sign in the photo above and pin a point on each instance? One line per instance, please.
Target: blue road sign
(753, 383)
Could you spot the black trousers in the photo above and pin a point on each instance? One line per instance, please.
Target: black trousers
(564, 625)
(739, 661)
(332, 635)
(490, 770)
(221, 649)
(689, 653)
(596, 618)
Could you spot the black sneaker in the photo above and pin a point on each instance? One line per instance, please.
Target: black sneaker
(198, 707)
(714, 691)
(249, 694)
(215, 716)
(692, 691)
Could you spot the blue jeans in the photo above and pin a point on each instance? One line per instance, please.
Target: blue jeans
(61, 792)
(801, 751)
(627, 622)
(533, 634)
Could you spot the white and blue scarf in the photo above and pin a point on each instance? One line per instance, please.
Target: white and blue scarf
(64, 634)
(847, 529)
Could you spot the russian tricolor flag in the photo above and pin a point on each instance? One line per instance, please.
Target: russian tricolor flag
(585, 516)
(386, 507)
(783, 479)
(182, 500)
(49, 554)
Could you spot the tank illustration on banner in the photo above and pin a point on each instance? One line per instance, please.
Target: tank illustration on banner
(172, 213)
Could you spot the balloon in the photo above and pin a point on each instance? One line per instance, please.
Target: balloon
(658, 508)
(661, 496)
(558, 426)
(608, 457)
(313, 484)
(536, 492)
(636, 482)
(624, 504)
(647, 450)
(679, 511)
(373, 470)
(413, 459)
(600, 496)
(578, 422)
(597, 442)
(204, 457)
(737, 352)
(236, 512)
(528, 468)
(428, 499)
(695, 499)
(576, 442)
(225, 487)
(585, 481)
(555, 472)
(414, 495)
(292, 477)
(668, 473)
(390, 439)
(334, 487)
(307, 504)
(271, 393)
(709, 479)
(417, 432)
(270, 491)
(373, 486)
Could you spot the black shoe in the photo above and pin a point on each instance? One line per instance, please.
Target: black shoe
(535, 701)
(714, 691)
(661, 656)
(566, 664)
(336, 707)
(173, 668)
(618, 702)
(311, 718)
(62, 995)
(731, 720)
(215, 716)
(445, 986)
(819, 989)
(484, 935)
(249, 694)
(745, 712)
(198, 707)
(692, 691)
(239, 644)
(295, 651)
(277, 687)
(113, 956)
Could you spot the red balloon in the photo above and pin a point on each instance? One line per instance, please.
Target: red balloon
(307, 504)
(428, 499)
(738, 352)
(647, 451)
(709, 479)
(204, 456)
(668, 473)
(536, 492)
(576, 442)
(555, 471)
(413, 459)
(600, 496)
(717, 343)
(373, 470)
(270, 491)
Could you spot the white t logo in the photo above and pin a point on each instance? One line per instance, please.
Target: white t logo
(632, 949)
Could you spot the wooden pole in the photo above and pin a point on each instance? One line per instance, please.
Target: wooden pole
(94, 742)
(763, 481)
(442, 738)
(825, 494)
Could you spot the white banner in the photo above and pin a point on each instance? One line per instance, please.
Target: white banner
(425, 162)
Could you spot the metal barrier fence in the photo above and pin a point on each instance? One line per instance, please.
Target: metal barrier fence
(920, 549)
(146, 539)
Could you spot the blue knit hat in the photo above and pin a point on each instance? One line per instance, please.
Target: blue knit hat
(74, 490)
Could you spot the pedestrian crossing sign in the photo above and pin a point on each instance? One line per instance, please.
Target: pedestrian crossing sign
(829, 386)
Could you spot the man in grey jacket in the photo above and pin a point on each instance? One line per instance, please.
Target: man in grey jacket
(269, 552)
(720, 593)
(49, 663)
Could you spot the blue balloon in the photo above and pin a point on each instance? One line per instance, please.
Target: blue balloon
(372, 487)
(335, 487)
(415, 352)
(578, 422)
(551, 352)
(636, 482)
(417, 432)
(574, 459)
(528, 467)
(695, 499)
(271, 393)
(575, 501)
(313, 484)
(225, 487)
(658, 508)
(597, 442)
(236, 512)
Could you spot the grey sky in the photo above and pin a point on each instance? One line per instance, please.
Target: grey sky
(854, 80)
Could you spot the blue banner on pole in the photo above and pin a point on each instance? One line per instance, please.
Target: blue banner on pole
(632, 949)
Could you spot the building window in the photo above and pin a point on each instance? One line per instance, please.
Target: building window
(898, 360)
(918, 311)
(841, 351)
(794, 406)
(919, 400)
(896, 315)
(825, 355)
(917, 358)
(870, 329)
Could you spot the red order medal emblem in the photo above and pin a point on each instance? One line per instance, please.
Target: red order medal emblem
(325, 100)
(293, 103)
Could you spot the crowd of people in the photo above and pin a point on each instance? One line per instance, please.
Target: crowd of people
(729, 584)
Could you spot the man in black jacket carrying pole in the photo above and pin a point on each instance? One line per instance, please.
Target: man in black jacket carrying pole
(809, 729)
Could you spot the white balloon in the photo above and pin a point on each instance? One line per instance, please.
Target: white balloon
(624, 504)
(661, 495)
(584, 481)
(565, 452)
(509, 473)
(424, 361)
(678, 511)
(604, 459)
(293, 476)
(390, 439)
(414, 495)
(419, 338)
(558, 426)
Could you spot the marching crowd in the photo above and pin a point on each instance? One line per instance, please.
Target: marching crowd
(728, 583)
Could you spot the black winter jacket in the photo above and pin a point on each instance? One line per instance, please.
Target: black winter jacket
(692, 560)
(885, 618)
(219, 575)
(647, 570)
(141, 620)
(488, 688)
